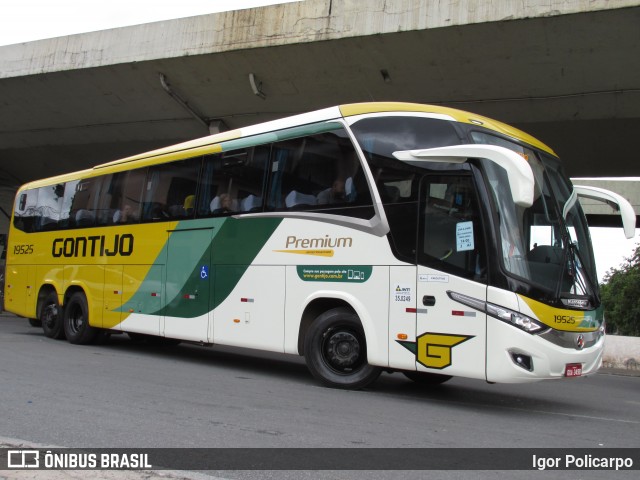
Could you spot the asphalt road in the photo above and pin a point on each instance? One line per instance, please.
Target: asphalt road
(127, 395)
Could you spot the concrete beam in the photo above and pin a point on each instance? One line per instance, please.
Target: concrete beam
(277, 25)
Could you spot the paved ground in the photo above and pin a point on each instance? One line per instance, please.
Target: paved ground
(140, 396)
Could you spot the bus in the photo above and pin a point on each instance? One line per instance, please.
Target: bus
(365, 237)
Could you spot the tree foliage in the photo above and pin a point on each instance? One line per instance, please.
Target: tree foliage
(621, 297)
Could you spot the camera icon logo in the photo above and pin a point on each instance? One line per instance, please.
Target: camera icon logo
(23, 459)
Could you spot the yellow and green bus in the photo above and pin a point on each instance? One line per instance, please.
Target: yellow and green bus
(365, 237)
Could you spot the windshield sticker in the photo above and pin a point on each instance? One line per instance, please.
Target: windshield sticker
(464, 236)
(349, 274)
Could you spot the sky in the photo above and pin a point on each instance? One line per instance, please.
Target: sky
(28, 20)
(611, 248)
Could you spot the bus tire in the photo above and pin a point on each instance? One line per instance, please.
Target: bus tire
(335, 351)
(51, 317)
(76, 320)
(426, 378)
(34, 322)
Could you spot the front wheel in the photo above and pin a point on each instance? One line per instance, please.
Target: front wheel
(335, 351)
(76, 320)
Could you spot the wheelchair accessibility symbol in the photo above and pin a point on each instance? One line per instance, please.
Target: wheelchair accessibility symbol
(204, 272)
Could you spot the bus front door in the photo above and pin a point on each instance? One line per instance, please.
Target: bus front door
(187, 285)
(450, 337)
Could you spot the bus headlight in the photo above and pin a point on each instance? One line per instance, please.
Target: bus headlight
(507, 315)
(517, 319)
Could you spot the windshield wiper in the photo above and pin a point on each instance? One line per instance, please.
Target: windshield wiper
(581, 275)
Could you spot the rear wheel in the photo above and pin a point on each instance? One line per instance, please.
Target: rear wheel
(335, 350)
(76, 320)
(51, 317)
(426, 378)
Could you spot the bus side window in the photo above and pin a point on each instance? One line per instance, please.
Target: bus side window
(233, 182)
(129, 205)
(169, 193)
(120, 197)
(110, 193)
(450, 230)
(318, 172)
(48, 207)
(70, 189)
(397, 185)
(82, 202)
(24, 217)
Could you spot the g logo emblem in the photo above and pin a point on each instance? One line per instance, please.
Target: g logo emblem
(434, 349)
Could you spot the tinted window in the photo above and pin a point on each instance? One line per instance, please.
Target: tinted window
(24, 211)
(318, 172)
(233, 182)
(171, 189)
(80, 197)
(451, 237)
(120, 197)
(397, 182)
(38, 209)
(384, 135)
(48, 207)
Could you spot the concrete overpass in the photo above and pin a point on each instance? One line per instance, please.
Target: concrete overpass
(566, 71)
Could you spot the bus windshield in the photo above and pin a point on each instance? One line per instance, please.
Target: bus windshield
(547, 244)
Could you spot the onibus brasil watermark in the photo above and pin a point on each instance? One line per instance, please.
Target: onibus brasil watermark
(36, 459)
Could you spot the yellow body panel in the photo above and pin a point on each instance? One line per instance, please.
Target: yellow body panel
(563, 319)
(101, 277)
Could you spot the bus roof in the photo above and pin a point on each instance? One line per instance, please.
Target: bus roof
(457, 115)
(212, 143)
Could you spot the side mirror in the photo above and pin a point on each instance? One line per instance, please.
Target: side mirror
(616, 201)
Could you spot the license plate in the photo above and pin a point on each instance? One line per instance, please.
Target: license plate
(573, 370)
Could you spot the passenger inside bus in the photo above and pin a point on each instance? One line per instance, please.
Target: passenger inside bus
(340, 191)
(223, 204)
(125, 215)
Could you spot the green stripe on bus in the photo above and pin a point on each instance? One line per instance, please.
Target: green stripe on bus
(261, 139)
(235, 243)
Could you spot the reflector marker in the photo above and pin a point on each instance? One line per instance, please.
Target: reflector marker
(117, 292)
(246, 300)
(155, 294)
(461, 313)
(189, 296)
(416, 310)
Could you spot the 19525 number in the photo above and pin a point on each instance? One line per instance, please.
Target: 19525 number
(22, 249)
